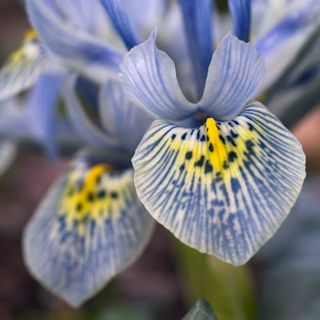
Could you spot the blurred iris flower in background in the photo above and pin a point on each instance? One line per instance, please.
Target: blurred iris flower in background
(171, 88)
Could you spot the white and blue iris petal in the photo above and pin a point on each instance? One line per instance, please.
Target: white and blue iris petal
(225, 187)
(74, 38)
(93, 47)
(281, 30)
(90, 226)
(23, 67)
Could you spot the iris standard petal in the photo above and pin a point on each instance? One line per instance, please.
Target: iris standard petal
(76, 47)
(223, 188)
(241, 16)
(116, 10)
(234, 75)
(120, 118)
(197, 18)
(149, 78)
(89, 227)
(23, 67)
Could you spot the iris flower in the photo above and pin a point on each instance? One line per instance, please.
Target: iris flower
(215, 168)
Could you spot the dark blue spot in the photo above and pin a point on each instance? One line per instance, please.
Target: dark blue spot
(232, 156)
(235, 185)
(188, 155)
(222, 139)
(200, 162)
(114, 195)
(101, 194)
(208, 168)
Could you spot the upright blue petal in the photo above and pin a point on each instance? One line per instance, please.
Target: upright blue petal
(223, 188)
(241, 16)
(89, 227)
(234, 76)
(72, 44)
(90, 131)
(149, 78)
(197, 18)
(116, 10)
(42, 109)
(120, 118)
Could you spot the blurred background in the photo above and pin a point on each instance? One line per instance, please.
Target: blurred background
(282, 282)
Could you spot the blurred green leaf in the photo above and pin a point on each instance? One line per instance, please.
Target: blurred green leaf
(126, 312)
(228, 289)
(201, 311)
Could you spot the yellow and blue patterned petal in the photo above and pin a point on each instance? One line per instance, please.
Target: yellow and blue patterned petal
(223, 188)
(89, 227)
(23, 67)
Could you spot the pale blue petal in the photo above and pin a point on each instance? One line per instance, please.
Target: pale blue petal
(234, 76)
(282, 42)
(89, 227)
(14, 122)
(241, 16)
(120, 118)
(19, 123)
(88, 130)
(8, 151)
(197, 18)
(23, 68)
(223, 188)
(76, 46)
(149, 78)
(42, 110)
(116, 10)
(155, 13)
